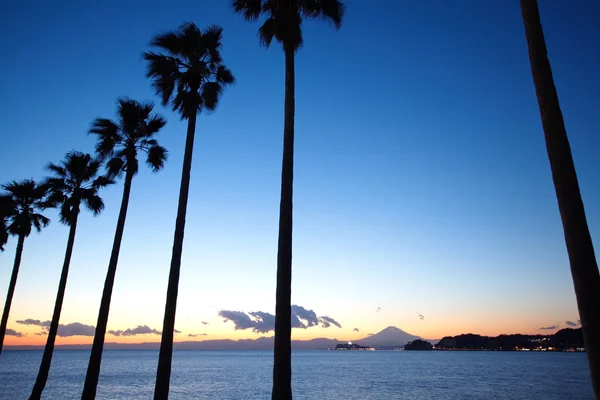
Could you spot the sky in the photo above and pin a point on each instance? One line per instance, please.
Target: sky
(423, 196)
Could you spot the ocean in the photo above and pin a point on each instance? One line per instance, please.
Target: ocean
(348, 375)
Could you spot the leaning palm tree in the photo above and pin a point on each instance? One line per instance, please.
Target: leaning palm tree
(75, 182)
(284, 24)
(21, 210)
(190, 75)
(580, 248)
(120, 142)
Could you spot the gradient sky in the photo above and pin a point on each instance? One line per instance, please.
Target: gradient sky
(422, 182)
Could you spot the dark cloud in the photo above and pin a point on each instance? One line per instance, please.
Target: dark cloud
(75, 329)
(308, 316)
(197, 334)
(378, 309)
(176, 331)
(35, 322)
(356, 330)
(64, 330)
(12, 332)
(326, 322)
(421, 316)
(371, 334)
(140, 330)
(42, 333)
(548, 328)
(204, 323)
(570, 323)
(263, 322)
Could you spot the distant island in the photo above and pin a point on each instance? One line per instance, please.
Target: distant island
(418, 344)
(351, 346)
(567, 339)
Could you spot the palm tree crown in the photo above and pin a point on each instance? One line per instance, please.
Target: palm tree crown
(190, 75)
(76, 181)
(20, 207)
(284, 18)
(121, 141)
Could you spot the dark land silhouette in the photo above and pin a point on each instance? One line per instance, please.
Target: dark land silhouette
(418, 345)
(563, 340)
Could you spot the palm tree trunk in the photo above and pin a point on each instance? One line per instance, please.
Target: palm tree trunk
(282, 367)
(163, 373)
(42, 377)
(584, 268)
(11, 289)
(93, 371)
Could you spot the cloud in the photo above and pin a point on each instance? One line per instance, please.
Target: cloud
(378, 309)
(42, 333)
(548, 328)
(263, 322)
(371, 334)
(570, 323)
(204, 323)
(197, 334)
(326, 322)
(356, 330)
(64, 330)
(12, 332)
(176, 331)
(75, 329)
(35, 322)
(140, 330)
(421, 316)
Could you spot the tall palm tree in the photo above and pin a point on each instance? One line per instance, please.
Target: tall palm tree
(21, 210)
(584, 269)
(120, 142)
(75, 182)
(190, 75)
(7, 208)
(284, 24)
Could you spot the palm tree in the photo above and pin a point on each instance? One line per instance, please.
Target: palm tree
(75, 182)
(120, 142)
(189, 75)
(580, 248)
(20, 209)
(284, 24)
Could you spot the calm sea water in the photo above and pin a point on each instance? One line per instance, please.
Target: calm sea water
(234, 375)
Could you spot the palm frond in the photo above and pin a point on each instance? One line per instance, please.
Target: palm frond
(266, 32)
(211, 92)
(328, 10)
(108, 136)
(102, 181)
(67, 212)
(224, 75)
(249, 9)
(154, 124)
(18, 208)
(212, 42)
(94, 203)
(157, 156)
(164, 73)
(114, 167)
(58, 170)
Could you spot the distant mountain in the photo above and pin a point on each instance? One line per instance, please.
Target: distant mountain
(389, 337)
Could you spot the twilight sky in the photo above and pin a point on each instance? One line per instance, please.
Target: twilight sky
(423, 195)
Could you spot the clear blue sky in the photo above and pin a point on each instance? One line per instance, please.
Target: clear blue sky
(422, 182)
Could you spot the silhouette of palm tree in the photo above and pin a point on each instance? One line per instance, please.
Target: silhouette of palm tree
(20, 210)
(584, 268)
(120, 142)
(191, 77)
(75, 182)
(284, 24)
